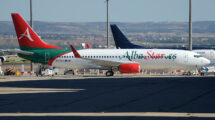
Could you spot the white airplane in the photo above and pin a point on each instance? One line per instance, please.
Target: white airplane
(122, 42)
(123, 60)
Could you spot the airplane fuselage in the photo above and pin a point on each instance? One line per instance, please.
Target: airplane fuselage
(147, 58)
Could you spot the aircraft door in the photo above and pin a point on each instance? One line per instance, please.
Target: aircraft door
(212, 54)
(185, 58)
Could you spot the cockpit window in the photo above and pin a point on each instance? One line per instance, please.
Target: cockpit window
(197, 56)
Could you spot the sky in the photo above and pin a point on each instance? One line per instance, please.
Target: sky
(120, 10)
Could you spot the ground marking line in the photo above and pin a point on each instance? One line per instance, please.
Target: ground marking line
(121, 114)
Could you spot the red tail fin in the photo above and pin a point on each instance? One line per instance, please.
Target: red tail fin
(26, 36)
(88, 46)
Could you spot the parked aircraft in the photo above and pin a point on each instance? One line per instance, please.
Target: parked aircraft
(122, 42)
(4, 58)
(123, 60)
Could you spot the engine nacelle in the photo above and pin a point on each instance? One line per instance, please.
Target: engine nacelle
(129, 68)
(2, 59)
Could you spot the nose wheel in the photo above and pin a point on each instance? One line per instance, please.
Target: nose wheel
(109, 73)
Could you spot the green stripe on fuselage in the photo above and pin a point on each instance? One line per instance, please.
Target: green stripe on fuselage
(41, 55)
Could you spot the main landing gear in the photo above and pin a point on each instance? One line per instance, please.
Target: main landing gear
(109, 73)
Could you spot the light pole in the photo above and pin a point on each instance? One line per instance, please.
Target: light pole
(31, 24)
(190, 25)
(31, 15)
(107, 23)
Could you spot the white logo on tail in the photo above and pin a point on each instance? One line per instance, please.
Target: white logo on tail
(26, 34)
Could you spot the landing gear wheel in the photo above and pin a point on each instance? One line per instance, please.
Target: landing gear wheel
(189, 73)
(109, 73)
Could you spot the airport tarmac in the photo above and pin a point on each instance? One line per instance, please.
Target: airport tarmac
(151, 98)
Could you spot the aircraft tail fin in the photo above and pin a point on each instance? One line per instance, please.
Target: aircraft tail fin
(27, 37)
(120, 39)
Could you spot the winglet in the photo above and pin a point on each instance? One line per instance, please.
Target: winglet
(77, 55)
(88, 46)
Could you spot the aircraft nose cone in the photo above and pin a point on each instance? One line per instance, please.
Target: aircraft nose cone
(206, 61)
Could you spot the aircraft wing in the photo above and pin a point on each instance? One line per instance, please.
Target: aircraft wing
(16, 51)
(106, 63)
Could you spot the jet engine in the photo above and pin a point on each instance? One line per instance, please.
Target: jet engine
(129, 68)
(3, 59)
